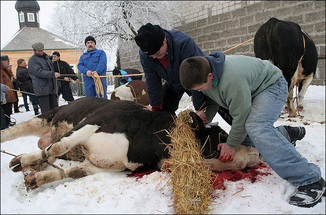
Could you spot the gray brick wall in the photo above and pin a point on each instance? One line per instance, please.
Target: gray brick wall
(220, 25)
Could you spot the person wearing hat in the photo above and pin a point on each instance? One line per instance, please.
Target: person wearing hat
(66, 73)
(41, 71)
(93, 61)
(6, 79)
(161, 53)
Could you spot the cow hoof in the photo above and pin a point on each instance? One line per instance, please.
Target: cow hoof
(30, 180)
(15, 164)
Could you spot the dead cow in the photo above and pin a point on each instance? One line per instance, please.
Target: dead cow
(290, 49)
(132, 91)
(115, 135)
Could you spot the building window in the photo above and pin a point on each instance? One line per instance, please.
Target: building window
(37, 17)
(21, 16)
(30, 17)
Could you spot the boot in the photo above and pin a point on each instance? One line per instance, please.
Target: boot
(295, 133)
(308, 195)
(35, 107)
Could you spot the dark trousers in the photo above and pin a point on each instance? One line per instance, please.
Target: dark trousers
(16, 107)
(32, 98)
(171, 99)
(66, 92)
(7, 109)
(47, 102)
(4, 123)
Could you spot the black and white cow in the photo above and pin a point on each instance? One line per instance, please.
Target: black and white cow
(290, 49)
(114, 135)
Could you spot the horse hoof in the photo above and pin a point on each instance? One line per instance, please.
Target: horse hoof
(30, 180)
(15, 164)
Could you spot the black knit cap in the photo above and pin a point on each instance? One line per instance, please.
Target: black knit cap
(150, 38)
(90, 38)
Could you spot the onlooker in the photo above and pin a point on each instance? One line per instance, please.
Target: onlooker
(25, 84)
(123, 80)
(16, 88)
(6, 79)
(161, 53)
(4, 123)
(64, 69)
(255, 93)
(91, 62)
(43, 77)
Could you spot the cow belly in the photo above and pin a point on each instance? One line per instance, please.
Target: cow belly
(109, 151)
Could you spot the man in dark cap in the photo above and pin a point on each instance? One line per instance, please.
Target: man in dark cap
(93, 61)
(66, 73)
(6, 79)
(43, 77)
(161, 53)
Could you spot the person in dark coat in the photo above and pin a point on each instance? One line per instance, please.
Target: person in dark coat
(41, 70)
(25, 84)
(6, 79)
(66, 73)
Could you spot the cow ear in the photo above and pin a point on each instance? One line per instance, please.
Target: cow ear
(197, 122)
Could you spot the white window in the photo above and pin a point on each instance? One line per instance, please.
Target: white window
(30, 17)
(37, 17)
(21, 16)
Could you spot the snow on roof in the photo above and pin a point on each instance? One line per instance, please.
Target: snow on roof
(25, 37)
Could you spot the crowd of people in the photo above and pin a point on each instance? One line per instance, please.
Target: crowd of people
(249, 93)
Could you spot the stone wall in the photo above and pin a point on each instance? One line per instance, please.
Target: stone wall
(220, 25)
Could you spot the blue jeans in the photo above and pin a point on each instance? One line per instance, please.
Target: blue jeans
(273, 143)
(32, 98)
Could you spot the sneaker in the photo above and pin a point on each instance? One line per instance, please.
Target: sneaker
(12, 123)
(295, 133)
(309, 195)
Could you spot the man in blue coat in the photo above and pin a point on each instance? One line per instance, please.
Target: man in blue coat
(91, 62)
(161, 53)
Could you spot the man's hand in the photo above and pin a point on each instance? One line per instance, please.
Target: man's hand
(66, 79)
(227, 154)
(57, 74)
(148, 107)
(203, 117)
(89, 73)
(78, 81)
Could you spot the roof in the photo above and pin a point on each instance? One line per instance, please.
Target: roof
(25, 37)
(27, 5)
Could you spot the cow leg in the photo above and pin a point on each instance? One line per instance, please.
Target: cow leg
(59, 148)
(35, 179)
(245, 156)
(44, 141)
(305, 83)
(290, 104)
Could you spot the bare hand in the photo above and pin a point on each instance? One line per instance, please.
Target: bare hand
(227, 154)
(77, 80)
(57, 74)
(66, 79)
(148, 107)
(89, 73)
(203, 117)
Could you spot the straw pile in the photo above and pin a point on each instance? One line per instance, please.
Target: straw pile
(190, 178)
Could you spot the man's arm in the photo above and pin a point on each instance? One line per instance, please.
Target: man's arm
(100, 69)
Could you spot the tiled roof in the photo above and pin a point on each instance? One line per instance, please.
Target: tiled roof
(27, 36)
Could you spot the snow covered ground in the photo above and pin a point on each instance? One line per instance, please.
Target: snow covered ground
(116, 193)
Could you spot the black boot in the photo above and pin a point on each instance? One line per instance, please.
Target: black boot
(309, 195)
(36, 112)
(295, 133)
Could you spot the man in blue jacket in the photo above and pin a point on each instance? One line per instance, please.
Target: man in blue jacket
(91, 62)
(161, 53)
